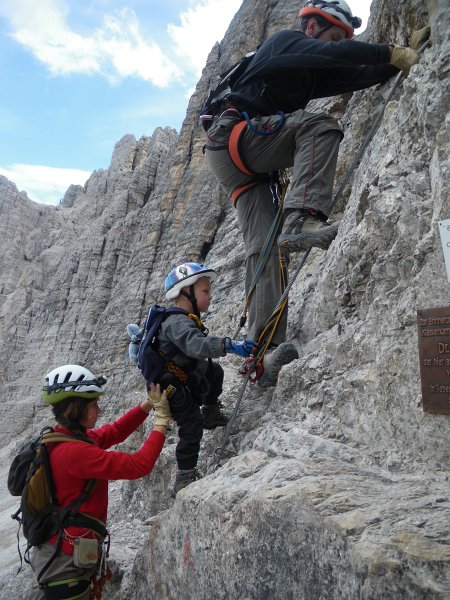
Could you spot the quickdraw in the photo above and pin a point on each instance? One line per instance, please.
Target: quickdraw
(103, 575)
(253, 369)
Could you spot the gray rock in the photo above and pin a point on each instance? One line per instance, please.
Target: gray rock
(335, 483)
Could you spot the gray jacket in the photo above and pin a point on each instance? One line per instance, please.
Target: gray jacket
(180, 334)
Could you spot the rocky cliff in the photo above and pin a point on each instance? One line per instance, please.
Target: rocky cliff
(335, 483)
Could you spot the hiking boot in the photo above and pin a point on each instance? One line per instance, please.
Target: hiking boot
(213, 417)
(304, 229)
(273, 361)
(183, 479)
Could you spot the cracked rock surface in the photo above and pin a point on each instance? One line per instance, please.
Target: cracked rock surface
(335, 483)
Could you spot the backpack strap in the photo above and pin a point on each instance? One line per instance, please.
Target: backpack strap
(168, 312)
(73, 508)
(69, 515)
(56, 436)
(199, 323)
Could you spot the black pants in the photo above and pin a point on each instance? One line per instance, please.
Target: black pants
(185, 405)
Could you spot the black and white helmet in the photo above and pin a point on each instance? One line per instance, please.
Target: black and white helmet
(71, 381)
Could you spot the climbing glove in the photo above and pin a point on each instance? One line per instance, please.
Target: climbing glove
(240, 347)
(419, 37)
(403, 58)
(161, 406)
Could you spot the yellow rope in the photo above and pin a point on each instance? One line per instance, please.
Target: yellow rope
(266, 336)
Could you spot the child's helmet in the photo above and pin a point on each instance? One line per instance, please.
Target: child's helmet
(71, 381)
(336, 12)
(184, 276)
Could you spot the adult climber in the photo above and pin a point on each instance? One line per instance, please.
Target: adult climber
(289, 69)
(71, 564)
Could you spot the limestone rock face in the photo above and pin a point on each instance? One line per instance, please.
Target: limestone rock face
(335, 483)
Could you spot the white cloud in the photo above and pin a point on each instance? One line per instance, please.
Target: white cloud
(202, 25)
(46, 185)
(115, 50)
(118, 48)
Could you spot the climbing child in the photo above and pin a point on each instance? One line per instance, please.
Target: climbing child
(192, 379)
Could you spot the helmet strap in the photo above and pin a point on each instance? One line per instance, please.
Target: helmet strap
(326, 28)
(192, 299)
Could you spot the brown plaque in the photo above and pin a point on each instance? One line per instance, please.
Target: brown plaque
(434, 356)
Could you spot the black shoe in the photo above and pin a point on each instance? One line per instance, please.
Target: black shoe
(183, 479)
(213, 417)
(303, 230)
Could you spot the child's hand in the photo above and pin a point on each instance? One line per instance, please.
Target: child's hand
(242, 348)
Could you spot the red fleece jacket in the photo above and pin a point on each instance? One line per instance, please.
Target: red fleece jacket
(72, 463)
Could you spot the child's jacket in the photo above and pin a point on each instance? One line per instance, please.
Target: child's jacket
(180, 334)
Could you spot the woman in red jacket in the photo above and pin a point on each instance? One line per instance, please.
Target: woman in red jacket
(66, 566)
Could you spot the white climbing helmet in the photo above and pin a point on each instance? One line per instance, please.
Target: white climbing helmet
(336, 12)
(71, 381)
(184, 276)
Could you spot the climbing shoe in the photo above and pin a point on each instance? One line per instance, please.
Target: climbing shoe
(304, 229)
(213, 417)
(273, 361)
(183, 479)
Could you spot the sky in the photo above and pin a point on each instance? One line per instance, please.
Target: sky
(77, 75)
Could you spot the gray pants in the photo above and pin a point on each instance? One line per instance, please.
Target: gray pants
(62, 568)
(307, 142)
(256, 214)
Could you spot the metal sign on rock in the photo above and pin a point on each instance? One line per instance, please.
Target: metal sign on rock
(434, 356)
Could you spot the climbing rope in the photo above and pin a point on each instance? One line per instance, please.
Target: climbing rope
(279, 194)
(220, 450)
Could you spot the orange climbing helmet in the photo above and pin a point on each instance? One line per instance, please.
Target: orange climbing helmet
(336, 12)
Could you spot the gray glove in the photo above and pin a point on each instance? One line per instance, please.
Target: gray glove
(161, 406)
(419, 37)
(403, 58)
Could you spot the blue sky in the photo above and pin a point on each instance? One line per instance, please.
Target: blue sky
(78, 75)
